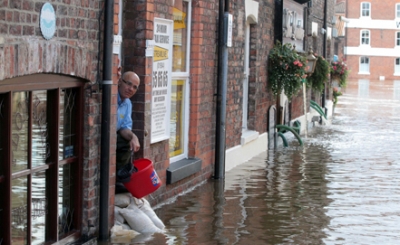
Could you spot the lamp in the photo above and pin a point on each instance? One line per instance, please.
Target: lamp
(311, 62)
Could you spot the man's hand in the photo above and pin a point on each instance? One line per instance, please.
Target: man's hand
(134, 143)
(132, 138)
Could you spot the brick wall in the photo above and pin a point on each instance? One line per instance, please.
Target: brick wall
(73, 51)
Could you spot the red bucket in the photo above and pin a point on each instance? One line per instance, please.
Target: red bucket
(145, 180)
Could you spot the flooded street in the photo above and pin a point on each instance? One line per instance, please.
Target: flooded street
(342, 187)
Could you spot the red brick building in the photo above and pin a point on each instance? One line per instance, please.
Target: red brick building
(58, 96)
(373, 39)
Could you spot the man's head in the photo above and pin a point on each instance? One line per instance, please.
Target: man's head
(128, 84)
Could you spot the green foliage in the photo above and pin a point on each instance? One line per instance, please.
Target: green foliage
(340, 71)
(285, 70)
(321, 74)
(336, 94)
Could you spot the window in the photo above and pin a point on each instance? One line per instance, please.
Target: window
(364, 65)
(397, 66)
(398, 39)
(365, 37)
(180, 81)
(40, 148)
(398, 10)
(365, 9)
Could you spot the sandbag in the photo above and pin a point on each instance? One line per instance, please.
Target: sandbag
(118, 218)
(138, 220)
(122, 200)
(121, 235)
(146, 208)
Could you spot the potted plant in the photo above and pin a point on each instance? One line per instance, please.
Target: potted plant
(339, 73)
(286, 70)
(320, 75)
(336, 94)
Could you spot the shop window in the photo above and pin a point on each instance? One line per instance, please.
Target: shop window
(364, 65)
(180, 81)
(365, 9)
(40, 148)
(365, 37)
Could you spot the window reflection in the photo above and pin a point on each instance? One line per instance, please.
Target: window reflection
(19, 211)
(40, 148)
(38, 207)
(65, 204)
(19, 130)
(68, 123)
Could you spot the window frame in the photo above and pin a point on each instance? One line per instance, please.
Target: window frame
(368, 38)
(397, 39)
(53, 84)
(363, 64)
(362, 10)
(397, 66)
(186, 77)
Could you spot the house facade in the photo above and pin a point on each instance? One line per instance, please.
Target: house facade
(60, 66)
(373, 39)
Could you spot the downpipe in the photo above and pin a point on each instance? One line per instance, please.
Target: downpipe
(105, 121)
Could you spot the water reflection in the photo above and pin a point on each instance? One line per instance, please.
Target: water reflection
(342, 187)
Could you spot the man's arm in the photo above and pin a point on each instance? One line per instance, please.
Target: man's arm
(131, 137)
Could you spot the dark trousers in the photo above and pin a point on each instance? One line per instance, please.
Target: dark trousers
(124, 164)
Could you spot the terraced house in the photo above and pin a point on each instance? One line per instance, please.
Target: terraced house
(200, 110)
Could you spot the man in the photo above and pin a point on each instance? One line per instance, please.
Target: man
(127, 141)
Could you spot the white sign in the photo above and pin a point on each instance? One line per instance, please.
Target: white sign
(47, 20)
(161, 80)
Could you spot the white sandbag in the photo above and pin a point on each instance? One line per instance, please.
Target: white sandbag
(121, 235)
(118, 218)
(146, 208)
(138, 220)
(122, 200)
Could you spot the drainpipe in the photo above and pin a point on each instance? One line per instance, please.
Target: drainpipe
(324, 49)
(219, 167)
(105, 121)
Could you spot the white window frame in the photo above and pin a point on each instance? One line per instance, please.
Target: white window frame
(185, 76)
(397, 67)
(362, 9)
(397, 11)
(397, 39)
(368, 38)
(364, 65)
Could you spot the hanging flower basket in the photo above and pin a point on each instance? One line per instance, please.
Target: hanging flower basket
(286, 70)
(321, 74)
(339, 73)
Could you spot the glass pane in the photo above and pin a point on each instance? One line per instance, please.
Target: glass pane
(176, 140)
(40, 149)
(3, 130)
(39, 207)
(68, 123)
(180, 12)
(19, 211)
(19, 131)
(65, 199)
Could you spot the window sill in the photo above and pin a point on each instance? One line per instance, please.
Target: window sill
(182, 169)
(364, 73)
(248, 136)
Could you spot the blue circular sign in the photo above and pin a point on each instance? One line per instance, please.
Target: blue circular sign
(47, 21)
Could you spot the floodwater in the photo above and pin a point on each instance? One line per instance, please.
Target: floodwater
(342, 187)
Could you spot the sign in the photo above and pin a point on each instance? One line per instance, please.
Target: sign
(292, 24)
(47, 21)
(161, 80)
